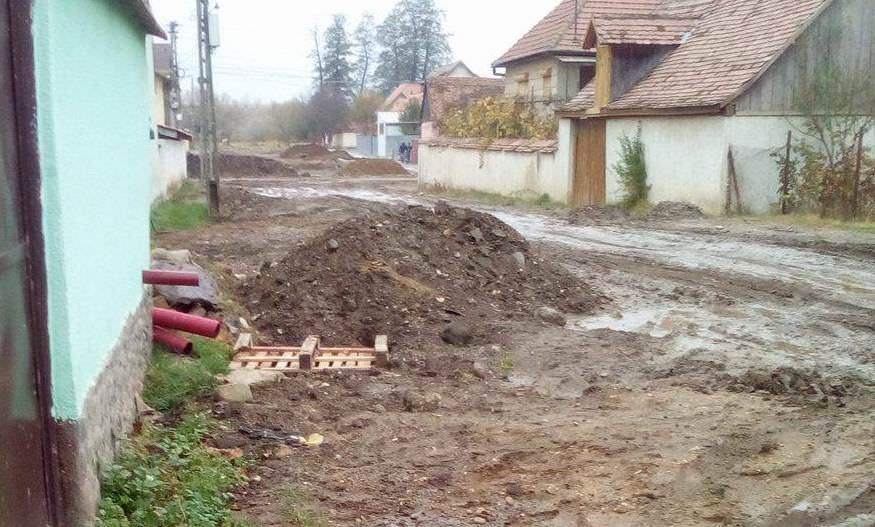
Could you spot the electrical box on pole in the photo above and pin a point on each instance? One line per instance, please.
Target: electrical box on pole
(215, 34)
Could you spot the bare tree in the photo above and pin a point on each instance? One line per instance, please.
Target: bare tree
(316, 54)
(365, 50)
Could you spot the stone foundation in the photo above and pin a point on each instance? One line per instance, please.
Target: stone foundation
(88, 446)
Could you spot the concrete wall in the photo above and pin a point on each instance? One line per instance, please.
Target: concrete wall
(687, 158)
(497, 172)
(171, 167)
(94, 134)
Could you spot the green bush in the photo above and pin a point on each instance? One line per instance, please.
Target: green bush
(631, 169)
(167, 477)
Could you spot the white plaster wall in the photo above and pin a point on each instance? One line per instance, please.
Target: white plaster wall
(170, 167)
(506, 173)
(685, 156)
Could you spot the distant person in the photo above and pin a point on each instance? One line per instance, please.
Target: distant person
(403, 152)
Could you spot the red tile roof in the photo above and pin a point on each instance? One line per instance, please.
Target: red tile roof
(558, 33)
(731, 46)
(638, 30)
(446, 94)
(398, 100)
(525, 146)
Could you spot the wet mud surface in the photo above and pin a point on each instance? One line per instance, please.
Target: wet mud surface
(726, 380)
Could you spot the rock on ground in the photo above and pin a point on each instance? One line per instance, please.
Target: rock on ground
(551, 316)
(234, 393)
(415, 402)
(457, 334)
(254, 377)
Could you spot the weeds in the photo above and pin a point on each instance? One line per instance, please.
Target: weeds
(172, 381)
(185, 210)
(632, 171)
(506, 363)
(296, 510)
(167, 477)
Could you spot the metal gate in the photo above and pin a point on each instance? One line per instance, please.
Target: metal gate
(23, 482)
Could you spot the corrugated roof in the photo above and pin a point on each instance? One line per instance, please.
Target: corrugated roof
(730, 46)
(143, 13)
(558, 33)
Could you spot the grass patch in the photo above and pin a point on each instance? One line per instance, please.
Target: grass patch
(297, 511)
(172, 381)
(814, 221)
(506, 363)
(538, 202)
(167, 477)
(185, 210)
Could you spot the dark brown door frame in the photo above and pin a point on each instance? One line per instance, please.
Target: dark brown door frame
(24, 78)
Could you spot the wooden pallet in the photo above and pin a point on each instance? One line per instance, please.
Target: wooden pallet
(310, 357)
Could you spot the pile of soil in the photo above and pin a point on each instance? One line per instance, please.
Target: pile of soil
(236, 164)
(373, 167)
(675, 210)
(313, 151)
(409, 273)
(597, 215)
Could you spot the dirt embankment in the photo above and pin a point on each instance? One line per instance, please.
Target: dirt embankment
(250, 165)
(408, 273)
(313, 151)
(373, 167)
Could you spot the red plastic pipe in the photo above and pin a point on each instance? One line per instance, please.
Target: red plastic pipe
(172, 340)
(171, 278)
(170, 319)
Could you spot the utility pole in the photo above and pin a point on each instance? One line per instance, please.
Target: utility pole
(176, 90)
(209, 143)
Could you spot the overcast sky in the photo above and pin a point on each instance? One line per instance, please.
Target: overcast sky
(266, 43)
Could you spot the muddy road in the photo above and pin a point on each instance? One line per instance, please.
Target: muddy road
(728, 380)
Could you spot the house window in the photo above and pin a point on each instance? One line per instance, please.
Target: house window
(587, 73)
(522, 86)
(548, 85)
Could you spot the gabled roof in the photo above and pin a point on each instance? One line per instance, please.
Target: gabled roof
(558, 32)
(730, 47)
(143, 13)
(445, 70)
(397, 100)
(653, 30)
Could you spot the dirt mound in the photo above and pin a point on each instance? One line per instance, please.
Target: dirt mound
(373, 167)
(674, 210)
(408, 273)
(236, 164)
(313, 151)
(794, 382)
(597, 215)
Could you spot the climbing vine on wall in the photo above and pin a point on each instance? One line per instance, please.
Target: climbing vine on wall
(497, 118)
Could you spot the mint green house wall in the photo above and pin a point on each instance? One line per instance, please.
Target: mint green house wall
(94, 103)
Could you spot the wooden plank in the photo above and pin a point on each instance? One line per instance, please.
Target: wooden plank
(603, 75)
(309, 350)
(589, 187)
(381, 350)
